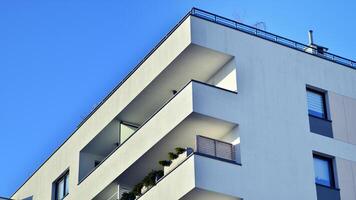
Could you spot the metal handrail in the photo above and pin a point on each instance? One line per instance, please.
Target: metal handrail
(271, 37)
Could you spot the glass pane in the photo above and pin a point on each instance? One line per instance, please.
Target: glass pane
(66, 189)
(59, 190)
(126, 131)
(315, 104)
(322, 172)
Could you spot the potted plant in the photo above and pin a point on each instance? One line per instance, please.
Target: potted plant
(180, 150)
(159, 175)
(165, 163)
(148, 182)
(137, 190)
(176, 158)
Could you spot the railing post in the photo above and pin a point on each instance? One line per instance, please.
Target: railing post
(215, 148)
(197, 143)
(232, 152)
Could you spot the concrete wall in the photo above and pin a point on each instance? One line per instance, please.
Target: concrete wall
(176, 184)
(346, 171)
(276, 144)
(225, 77)
(87, 163)
(102, 145)
(219, 176)
(233, 137)
(343, 116)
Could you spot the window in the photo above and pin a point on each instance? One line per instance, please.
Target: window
(316, 103)
(62, 186)
(323, 171)
(126, 130)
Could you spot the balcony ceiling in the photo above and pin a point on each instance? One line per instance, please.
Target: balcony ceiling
(195, 62)
(198, 194)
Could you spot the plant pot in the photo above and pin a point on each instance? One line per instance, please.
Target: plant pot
(175, 163)
(145, 189)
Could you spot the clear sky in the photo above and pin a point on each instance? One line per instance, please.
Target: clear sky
(58, 59)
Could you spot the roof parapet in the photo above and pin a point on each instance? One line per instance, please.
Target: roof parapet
(313, 49)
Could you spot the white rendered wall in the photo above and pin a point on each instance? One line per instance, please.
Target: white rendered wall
(233, 138)
(343, 116)
(226, 76)
(87, 163)
(343, 110)
(276, 144)
(346, 171)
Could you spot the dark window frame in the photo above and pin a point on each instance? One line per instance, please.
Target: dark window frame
(63, 176)
(330, 161)
(129, 124)
(97, 163)
(323, 95)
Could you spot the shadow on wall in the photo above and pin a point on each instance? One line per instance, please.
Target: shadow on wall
(226, 76)
(28, 198)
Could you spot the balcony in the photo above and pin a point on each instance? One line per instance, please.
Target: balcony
(200, 177)
(197, 109)
(195, 62)
(204, 147)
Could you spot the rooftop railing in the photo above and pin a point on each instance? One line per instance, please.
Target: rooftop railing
(272, 37)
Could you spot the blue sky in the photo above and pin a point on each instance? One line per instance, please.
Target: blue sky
(58, 59)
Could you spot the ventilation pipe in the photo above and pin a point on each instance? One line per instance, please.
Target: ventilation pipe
(310, 34)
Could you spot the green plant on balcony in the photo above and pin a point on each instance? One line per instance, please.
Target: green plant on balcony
(150, 179)
(137, 189)
(180, 150)
(165, 163)
(159, 175)
(172, 155)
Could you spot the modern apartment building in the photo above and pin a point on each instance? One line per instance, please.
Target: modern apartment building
(218, 110)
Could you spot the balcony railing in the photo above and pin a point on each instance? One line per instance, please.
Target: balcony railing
(207, 147)
(215, 148)
(271, 37)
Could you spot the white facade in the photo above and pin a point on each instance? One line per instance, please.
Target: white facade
(232, 87)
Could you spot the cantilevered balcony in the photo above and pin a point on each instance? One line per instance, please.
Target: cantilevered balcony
(195, 62)
(199, 178)
(206, 147)
(197, 109)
